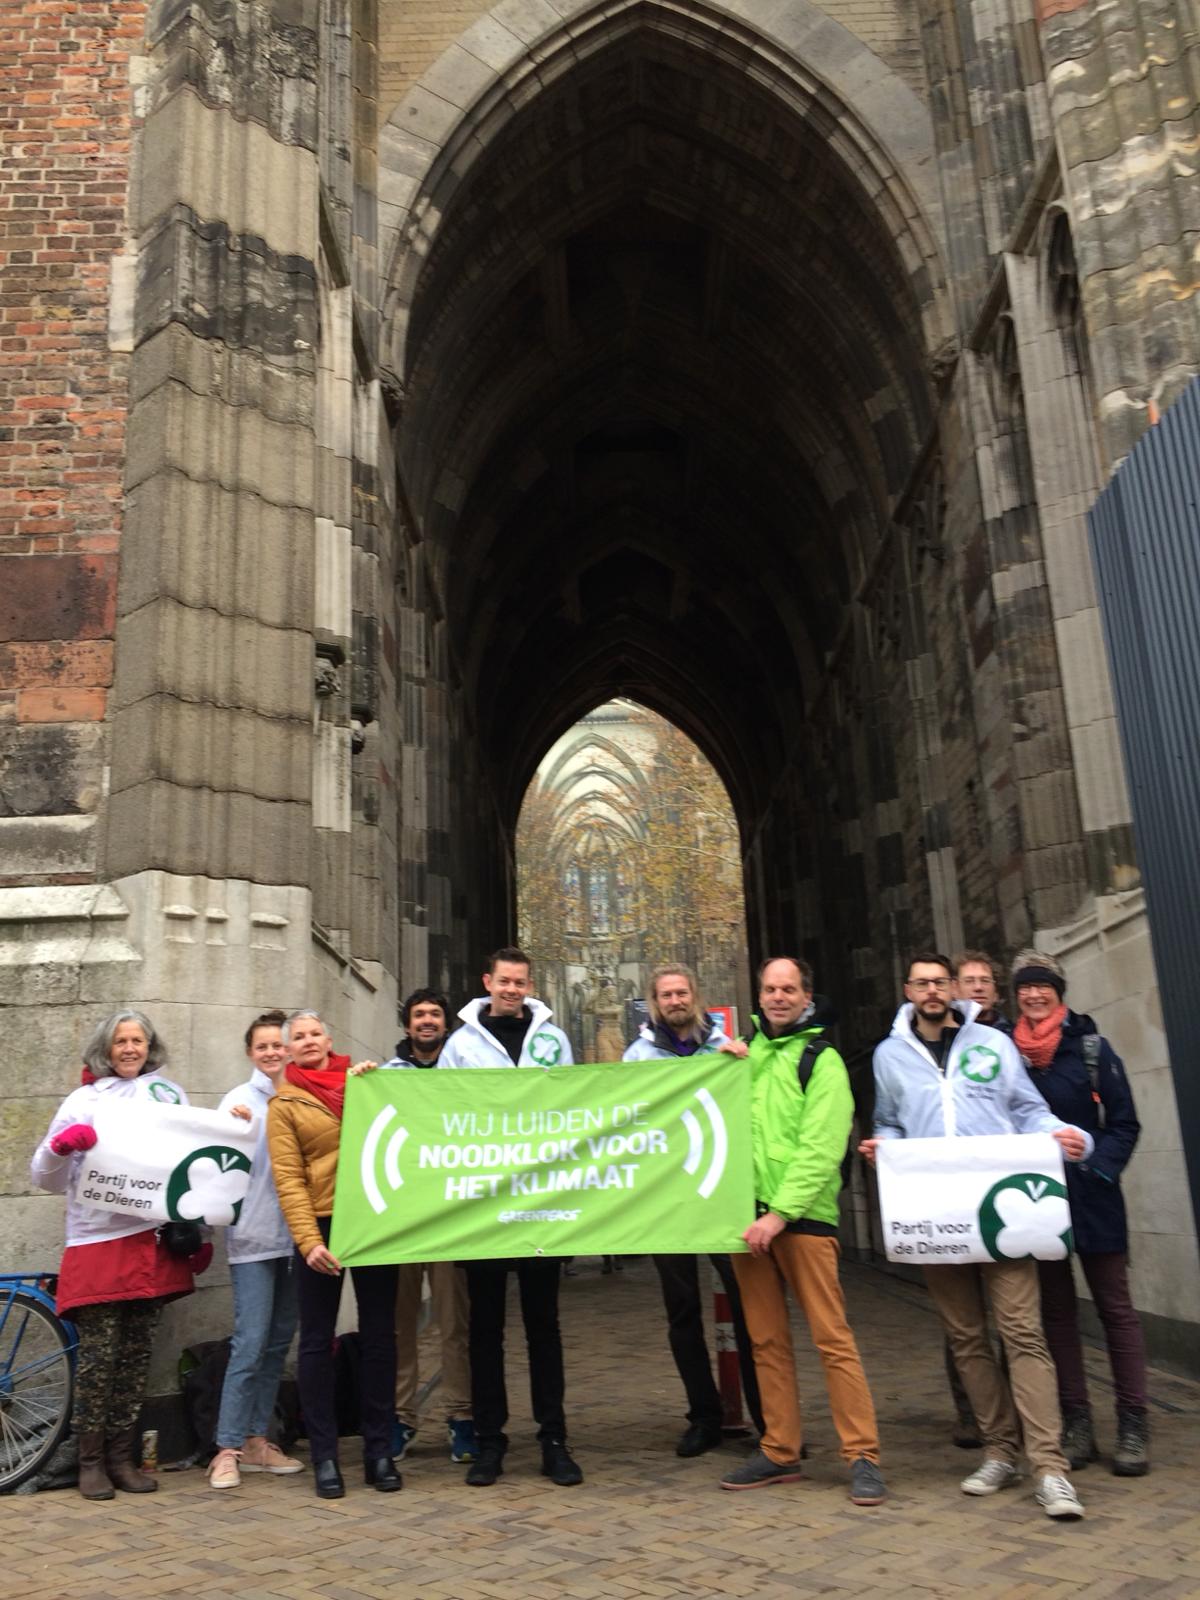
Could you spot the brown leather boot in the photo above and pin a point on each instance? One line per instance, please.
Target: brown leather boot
(93, 1480)
(119, 1456)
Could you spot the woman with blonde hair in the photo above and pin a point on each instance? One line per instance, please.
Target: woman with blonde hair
(262, 1274)
(304, 1129)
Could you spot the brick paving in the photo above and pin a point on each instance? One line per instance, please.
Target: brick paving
(646, 1524)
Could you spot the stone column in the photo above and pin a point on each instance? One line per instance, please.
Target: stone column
(1126, 114)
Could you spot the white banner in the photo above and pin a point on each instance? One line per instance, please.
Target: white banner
(167, 1163)
(998, 1197)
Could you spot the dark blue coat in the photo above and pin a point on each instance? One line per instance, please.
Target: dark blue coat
(1094, 1185)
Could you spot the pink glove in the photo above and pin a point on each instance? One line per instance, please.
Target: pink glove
(202, 1260)
(79, 1136)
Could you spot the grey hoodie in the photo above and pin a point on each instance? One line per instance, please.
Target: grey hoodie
(985, 1088)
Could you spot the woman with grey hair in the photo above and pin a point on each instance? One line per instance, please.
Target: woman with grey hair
(116, 1273)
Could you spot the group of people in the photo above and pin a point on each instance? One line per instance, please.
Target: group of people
(1055, 1074)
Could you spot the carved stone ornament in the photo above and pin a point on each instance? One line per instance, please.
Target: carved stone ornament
(326, 680)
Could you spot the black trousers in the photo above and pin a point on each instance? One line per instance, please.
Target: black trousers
(487, 1285)
(318, 1294)
(680, 1280)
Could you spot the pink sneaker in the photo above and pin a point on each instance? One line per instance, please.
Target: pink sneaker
(223, 1470)
(260, 1455)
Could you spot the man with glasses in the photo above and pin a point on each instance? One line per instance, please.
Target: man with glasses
(975, 979)
(938, 1074)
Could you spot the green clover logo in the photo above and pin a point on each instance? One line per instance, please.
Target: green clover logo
(980, 1063)
(1026, 1215)
(545, 1049)
(209, 1185)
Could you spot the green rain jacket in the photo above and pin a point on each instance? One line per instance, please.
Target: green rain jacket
(799, 1136)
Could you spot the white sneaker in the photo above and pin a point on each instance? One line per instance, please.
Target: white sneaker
(991, 1475)
(1057, 1498)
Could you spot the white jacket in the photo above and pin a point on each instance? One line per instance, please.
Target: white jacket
(91, 1224)
(260, 1233)
(473, 1045)
(646, 1047)
(984, 1089)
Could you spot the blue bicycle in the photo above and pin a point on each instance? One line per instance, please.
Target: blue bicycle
(37, 1375)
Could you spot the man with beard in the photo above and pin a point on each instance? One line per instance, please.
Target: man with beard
(939, 1074)
(425, 1015)
(680, 1027)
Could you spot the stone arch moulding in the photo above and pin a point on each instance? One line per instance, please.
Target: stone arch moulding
(509, 54)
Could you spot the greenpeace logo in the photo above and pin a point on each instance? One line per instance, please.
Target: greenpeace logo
(539, 1216)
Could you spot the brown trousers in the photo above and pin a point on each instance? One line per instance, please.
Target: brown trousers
(448, 1292)
(1012, 1288)
(808, 1265)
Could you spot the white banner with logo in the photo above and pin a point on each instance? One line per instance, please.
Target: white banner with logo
(167, 1163)
(998, 1197)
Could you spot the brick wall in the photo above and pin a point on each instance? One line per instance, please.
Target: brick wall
(65, 131)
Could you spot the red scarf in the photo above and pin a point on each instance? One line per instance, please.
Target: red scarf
(327, 1083)
(1038, 1041)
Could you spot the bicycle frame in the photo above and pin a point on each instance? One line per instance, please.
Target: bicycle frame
(38, 1286)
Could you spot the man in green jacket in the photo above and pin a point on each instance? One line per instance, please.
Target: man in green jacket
(800, 1133)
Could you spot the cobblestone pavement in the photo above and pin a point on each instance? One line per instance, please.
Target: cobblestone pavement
(645, 1523)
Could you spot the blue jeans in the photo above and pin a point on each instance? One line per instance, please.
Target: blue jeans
(264, 1320)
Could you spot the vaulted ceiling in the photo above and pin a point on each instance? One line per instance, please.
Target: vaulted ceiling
(664, 383)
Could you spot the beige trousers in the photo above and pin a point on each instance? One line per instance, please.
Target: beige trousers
(448, 1292)
(1012, 1288)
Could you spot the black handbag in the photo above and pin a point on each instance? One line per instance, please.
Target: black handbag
(181, 1238)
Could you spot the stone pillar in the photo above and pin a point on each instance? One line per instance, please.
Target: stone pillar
(1062, 448)
(1123, 97)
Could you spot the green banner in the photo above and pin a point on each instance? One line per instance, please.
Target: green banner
(463, 1164)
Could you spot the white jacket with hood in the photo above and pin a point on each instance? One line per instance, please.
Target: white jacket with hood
(473, 1045)
(92, 1224)
(648, 1045)
(260, 1233)
(984, 1089)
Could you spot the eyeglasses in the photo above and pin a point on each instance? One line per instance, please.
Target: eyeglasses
(929, 983)
(1037, 988)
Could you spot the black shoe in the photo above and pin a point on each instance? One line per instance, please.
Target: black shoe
(381, 1474)
(1078, 1439)
(558, 1464)
(697, 1438)
(1132, 1456)
(327, 1479)
(486, 1467)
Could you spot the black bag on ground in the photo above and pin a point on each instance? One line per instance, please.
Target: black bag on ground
(201, 1377)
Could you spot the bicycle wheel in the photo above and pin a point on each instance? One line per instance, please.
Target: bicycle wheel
(36, 1383)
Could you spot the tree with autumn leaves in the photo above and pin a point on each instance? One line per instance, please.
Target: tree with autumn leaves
(672, 838)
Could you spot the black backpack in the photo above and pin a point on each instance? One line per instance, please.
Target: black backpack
(1090, 1046)
(804, 1071)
